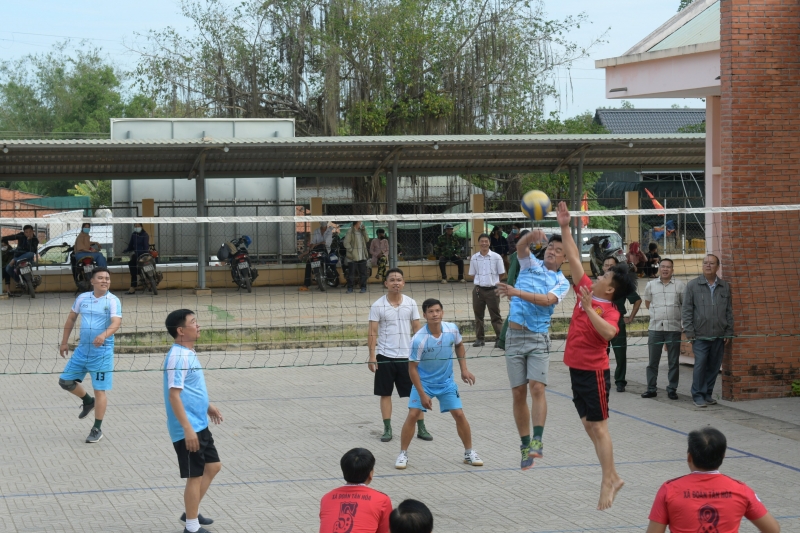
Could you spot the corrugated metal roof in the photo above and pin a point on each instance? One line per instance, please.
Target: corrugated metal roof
(703, 28)
(638, 121)
(345, 156)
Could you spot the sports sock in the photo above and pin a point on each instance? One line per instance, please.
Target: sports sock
(98, 423)
(538, 431)
(192, 524)
(87, 399)
(467, 451)
(526, 440)
(387, 423)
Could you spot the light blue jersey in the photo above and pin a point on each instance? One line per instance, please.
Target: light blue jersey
(534, 277)
(182, 370)
(435, 354)
(96, 316)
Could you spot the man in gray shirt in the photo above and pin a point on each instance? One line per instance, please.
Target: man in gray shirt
(708, 321)
(664, 297)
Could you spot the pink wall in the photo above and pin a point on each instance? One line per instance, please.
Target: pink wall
(683, 76)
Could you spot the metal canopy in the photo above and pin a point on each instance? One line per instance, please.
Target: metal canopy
(346, 156)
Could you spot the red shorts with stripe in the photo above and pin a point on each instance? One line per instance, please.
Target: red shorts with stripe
(590, 393)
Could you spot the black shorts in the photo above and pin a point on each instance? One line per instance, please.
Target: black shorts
(193, 464)
(590, 393)
(392, 372)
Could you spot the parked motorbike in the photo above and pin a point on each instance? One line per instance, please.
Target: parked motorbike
(24, 271)
(81, 269)
(235, 254)
(601, 249)
(149, 277)
(323, 267)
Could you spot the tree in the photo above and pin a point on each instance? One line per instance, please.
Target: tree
(684, 4)
(98, 191)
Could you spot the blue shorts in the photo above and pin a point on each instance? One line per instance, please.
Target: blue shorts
(447, 395)
(97, 362)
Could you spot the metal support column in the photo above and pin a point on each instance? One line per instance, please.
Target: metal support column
(579, 189)
(202, 229)
(571, 202)
(391, 198)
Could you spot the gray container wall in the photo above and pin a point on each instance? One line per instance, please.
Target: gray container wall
(277, 195)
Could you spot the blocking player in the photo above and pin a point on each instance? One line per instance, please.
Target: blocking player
(593, 325)
(101, 317)
(188, 412)
(393, 318)
(431, 370)
(539, 286)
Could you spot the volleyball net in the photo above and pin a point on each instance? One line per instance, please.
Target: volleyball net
(273, 322)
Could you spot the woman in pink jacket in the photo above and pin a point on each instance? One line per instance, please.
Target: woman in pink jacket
(379, 250)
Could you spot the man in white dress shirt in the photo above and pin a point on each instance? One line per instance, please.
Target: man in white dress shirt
(486, 266)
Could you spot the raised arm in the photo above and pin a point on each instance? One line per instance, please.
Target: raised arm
(524, 242)
(570, 248)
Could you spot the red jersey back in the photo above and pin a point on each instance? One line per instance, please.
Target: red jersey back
(354, 509)
(586, 348)
(705, 502)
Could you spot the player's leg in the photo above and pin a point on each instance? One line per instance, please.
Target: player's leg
(407, 432)
(450, 401)
(516, 365)
(71, 378)
(655, 343)
(402, 381)
(611, 482)
(199, 469)
(537, 347)
(211, 469)
(479, 310)
(102, 381)
(383, 387)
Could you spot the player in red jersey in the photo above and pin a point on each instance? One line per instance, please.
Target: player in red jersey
(706, 500)
(594, 323)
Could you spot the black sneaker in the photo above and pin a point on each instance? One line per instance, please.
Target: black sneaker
(86, 409)
(200, 518)
(201, 530)
(94, 436)
(649, 394)
(672, 395)
(478, 343)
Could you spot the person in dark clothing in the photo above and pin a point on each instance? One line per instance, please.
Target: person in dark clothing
(620, 342)
(138, 245)
(499, 245)
(27, 248)
(448, 250)
(653, 259)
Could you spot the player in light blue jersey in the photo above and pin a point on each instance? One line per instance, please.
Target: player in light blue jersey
(101, 317)
(540, 285)
(430, 365)
(188, 412)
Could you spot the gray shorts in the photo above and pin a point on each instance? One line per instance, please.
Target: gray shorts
(527, 356)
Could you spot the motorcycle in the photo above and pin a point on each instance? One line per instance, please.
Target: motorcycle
(323, 267)
(601, 250)
(81, 269)
(235, 254)
(149, 277)
(27, 281)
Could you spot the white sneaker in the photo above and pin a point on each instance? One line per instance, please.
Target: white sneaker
(402, 461)
(444, 281)
(472, 458)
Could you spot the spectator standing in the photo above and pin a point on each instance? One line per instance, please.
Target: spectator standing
(664, 298)
(354, 507)
(411, 516)
(138, 244)
(706, 501)
(486, 267)
(708, 323)
(499, 245)
(86, 247)
(620, 343)
(379, 250)
(448, 250)
(513, 237)
(27, 249)
(355, 242)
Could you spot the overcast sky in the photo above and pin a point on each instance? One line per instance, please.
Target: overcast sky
(34, 25)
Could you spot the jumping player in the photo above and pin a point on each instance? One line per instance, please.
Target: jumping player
(101, 317)
(593, 325)
(393, 318)
(188, 412)
(431, 370)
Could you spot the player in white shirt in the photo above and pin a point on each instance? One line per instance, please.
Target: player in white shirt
(430, 366)
(393, 318)
(486, 267)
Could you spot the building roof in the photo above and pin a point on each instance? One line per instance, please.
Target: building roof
(701, 28)
(641, 121)
(345, 156)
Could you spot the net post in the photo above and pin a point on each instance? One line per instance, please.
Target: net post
(632, 221)
(391, 197)
(478, 224)
(200, 196)
(579, 201)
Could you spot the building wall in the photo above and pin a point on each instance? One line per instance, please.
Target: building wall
(12, 204)
(760, 163)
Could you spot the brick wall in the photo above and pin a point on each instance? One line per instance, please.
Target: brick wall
(760, 123)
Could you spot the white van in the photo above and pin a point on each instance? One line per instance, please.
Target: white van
(55, 253)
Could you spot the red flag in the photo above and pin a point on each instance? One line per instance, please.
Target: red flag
(656, 203)
(585, 207)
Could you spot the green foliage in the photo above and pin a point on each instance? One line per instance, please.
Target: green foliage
(684, 4)
(693, 128)
(99, 192)
(796, 388)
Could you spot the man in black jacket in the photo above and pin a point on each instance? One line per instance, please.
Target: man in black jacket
(27, 247)
(707, 316)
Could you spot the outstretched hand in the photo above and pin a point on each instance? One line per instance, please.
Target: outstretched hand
(586, 299)
(562, 214)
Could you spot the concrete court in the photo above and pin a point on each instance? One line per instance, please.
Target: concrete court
(285, 430)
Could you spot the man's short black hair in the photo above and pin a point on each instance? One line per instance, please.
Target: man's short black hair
(516, 225)
(707, 447)
(177, 319)
(357, 465)
(392, 271)
(482, 235)
(616, 261)
(715, 257)
(652, 246)
(622, 282)
(411, 516)
(27, 226)
(380, 230)
(430, 302)
(671, 262)
(86, 225)
(555, 238)
(99, 269)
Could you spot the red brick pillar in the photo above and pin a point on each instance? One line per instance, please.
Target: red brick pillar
(760, 122)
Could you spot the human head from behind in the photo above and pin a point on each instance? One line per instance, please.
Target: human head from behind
(483, 243)
(183, 327)
(411, 516)
(707, 448)
(609, 263)
(665, 269)
(433, 311)
(100, 280)
(394, 280)
(358, 466)
(710, 266)
(614, 284)
(28, 231)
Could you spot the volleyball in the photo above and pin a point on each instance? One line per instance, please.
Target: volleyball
(535, 205)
